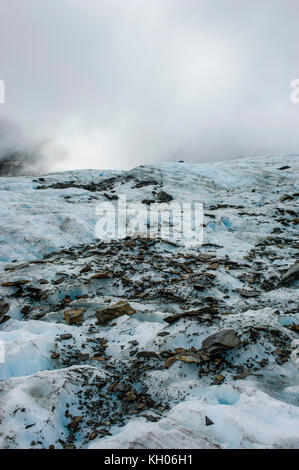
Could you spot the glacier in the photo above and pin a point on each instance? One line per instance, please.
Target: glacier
(112, 386)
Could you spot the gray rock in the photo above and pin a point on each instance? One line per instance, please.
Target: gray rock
(221, 341)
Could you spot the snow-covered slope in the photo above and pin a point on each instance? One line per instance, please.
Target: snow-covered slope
(144, 380)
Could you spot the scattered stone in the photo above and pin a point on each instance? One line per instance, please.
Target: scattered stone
(162, 196)
(148, 202)
(86, 269)
(213, 266)
(131, 395)
(205, 256)
(286, 197)
(152, 419)
(22, 282)
(102, 275)
(188, 356)
(219, 377)
(221, 341)
(198, 312)
(209, 422)
(169, 362)
(66, 336)
(98, 358)
(75, 421)
(58, 281)
(199, 287)
(15, 267)
(245, 293)
(114, 311)
(4, 307)
(210, 275)
(141, 184)
(74, 316)
(4, 319)
(148, 354)
(292, 274)
(111, 197)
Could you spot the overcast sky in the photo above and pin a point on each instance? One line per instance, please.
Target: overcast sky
(115, 83)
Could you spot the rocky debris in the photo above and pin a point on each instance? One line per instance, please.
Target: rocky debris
(221, 341)
(162, 196)
(100, 186)
(74, 316)
(292, 274)
(204, 314)
(111, 312)
(164, 280)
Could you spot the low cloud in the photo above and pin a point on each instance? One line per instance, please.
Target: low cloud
(113, 84)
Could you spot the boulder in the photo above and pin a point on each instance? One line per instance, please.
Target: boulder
(114, 311)
(221, 341)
